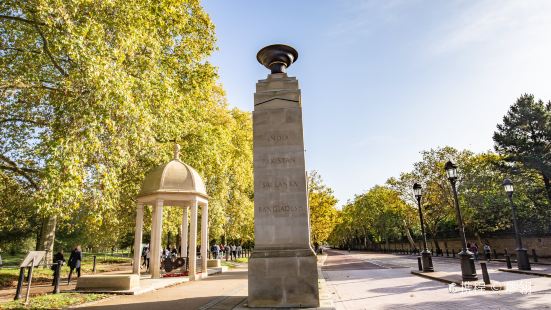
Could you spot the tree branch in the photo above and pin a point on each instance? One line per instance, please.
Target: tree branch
(47, 51)
(24, 172)
(8, 120)
(20, 50)
(21, 19)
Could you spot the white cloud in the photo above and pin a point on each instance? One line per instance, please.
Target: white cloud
(496, 24)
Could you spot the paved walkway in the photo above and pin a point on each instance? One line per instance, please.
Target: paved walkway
(223, 291)
(391, 287)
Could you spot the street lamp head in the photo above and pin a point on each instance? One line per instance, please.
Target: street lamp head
(508, 186)
(417, 190)
(451, 170)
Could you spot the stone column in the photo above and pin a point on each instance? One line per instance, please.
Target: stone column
(156, 246)
(184, 235)
(204, 239)
(193, 244)
(138, 233)
(283, 266)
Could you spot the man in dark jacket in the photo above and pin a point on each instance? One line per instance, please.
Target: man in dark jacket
(74, 262)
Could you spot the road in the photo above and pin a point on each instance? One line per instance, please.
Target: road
(384, 281)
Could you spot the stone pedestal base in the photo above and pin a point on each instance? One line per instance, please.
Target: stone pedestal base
(121, 282)
(283, 278)
(214, 263)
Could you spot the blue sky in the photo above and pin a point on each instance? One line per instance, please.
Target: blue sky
(383, 80)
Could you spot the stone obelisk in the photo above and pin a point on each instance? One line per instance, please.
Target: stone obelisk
(283, 266)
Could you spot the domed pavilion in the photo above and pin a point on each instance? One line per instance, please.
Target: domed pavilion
(174, 184)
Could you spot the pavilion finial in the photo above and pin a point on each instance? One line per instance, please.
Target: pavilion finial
(176, 151)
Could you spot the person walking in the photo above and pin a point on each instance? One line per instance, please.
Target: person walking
(233, 250)
(75, 261)
(474, 249)
(147, 257)
(239, 249)
(487, 251)
(215, 249)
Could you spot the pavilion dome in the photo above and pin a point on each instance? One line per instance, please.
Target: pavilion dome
(173, 177)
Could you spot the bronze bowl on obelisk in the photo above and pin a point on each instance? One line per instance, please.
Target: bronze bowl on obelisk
(277, 57)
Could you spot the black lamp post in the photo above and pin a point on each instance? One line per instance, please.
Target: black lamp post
(425, 255)
(522, 255)
(468, 270)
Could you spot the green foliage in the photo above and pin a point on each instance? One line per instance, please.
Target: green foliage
(93, 95)
(323, 212)
(377, 215)
(525, 136)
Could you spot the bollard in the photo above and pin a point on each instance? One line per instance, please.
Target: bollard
(419, 264)
(535, 256)
(495, 254)
(506, 253)
(57, 277)
(447, 253)
(20, 283)
(508, 260)
(485, 274)
(94, 266)
(453, 253)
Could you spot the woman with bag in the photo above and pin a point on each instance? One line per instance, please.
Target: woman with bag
(74, 262)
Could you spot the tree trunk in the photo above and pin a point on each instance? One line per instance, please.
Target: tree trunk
(47, 238)
(408, 235)
(547, 183)
(480, 243)
(436, 243)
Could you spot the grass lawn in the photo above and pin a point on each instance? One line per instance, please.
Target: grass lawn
(57, 301)
(9, 276)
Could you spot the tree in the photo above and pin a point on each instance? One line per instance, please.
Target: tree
(373, 217)
(323, 212)
(525, 136)
(94, 94)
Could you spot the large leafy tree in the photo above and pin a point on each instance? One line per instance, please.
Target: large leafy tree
(373, 217)
(93, 94)
(525, 136)
(323, 212)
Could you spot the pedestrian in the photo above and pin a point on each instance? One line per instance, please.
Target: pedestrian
(144, 251)
(214, 250)
(474, 249)
(74, 262)
(233, 250)
(147, 257)
(239, 250)
(487, 251)
(57, 257)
